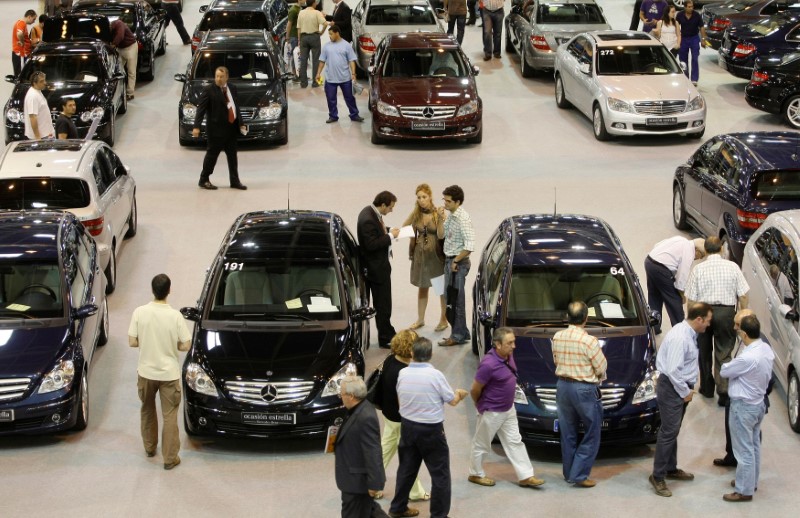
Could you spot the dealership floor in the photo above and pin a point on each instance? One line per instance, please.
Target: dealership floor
(534, 157)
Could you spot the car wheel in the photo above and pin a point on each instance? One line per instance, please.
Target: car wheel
(111, 271)
(697, 135)
(725, 251)
(83, 404)
(133, 219)
(474, 332)
(285, 139)
(527, 70)
(151, 73)
(360, 74)
(123, 107)
(477, 139)
(185, 141)
(162, 45)
(375, 138)
(678, 209)
(509, 46)
(112, 130)
(600, 132)
(793, 401)
(104, 327)
(561, 97)
(791, 111)
(186, 427)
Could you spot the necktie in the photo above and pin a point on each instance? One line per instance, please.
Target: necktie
(334, 10)
(231, 115)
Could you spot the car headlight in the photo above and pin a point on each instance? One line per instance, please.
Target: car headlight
(332, 387)
(618, 105)
(14, 115)
(467, 109)
(387, 109)
(58, 378)
(189, 111)
(95, 113)
(271, 112)
(199, 381)
(646, 390)
(695, 104)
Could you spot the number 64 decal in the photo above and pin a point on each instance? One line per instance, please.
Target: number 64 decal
(617, 271)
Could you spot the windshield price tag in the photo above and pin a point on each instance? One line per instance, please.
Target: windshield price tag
(607, 52)
(617, 271)
(262, 54)
(232, 267)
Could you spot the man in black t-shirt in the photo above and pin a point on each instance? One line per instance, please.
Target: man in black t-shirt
(691, 24)
(65, 128)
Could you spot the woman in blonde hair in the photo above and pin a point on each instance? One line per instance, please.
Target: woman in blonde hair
(426, 263)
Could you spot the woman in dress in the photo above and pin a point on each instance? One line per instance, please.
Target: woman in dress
(668, 31)
(425, 260)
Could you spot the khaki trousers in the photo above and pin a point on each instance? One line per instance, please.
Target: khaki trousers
(389, 441)
(506, 427)
(129, 57)
(170, 395)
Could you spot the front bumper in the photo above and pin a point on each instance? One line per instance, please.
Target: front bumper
(621, 123)
(43, 413)
(399, 128)
(262, 131)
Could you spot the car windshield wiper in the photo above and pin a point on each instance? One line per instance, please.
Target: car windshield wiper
(549, 323)
(599, 323)
(273, 316)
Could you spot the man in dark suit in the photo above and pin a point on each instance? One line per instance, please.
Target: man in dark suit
(375, 241)
(220, 102)
(342, 17)
(359, 461)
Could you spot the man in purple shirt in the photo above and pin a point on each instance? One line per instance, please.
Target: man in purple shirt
(651, 12)
(493, 392)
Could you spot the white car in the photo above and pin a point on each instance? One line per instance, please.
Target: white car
(85, 178)
(770, 267)
(627, 83)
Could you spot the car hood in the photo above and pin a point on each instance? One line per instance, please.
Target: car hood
(86, 95)
(287, 354)
(30, 352)
(648, 88)
(428, 90)
(250, 93)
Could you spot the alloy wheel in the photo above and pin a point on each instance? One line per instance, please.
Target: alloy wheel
(793, 112)
(792, 400)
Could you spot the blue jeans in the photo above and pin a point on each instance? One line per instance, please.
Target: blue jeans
(691, 43)
(460, 330)
(457, 22)
(745, 422)
(349, 99)
(578, 401)
(492, 29)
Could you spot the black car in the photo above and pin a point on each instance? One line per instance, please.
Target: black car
(253, 66)
(147, 24)
(54, 314)
(778, 34)
(732, 183)
(232, 14)
(733, 13)
(78, 67)
(157, 4)
(775, 86)
(282, 318)
(532, 267)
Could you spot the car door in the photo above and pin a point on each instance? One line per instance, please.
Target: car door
(516, 22)
(115, 77)
(105, 195)
(357, 293)
(376, 74)
(120, 189)
(569, 66)
(718, 191)
(358, 18)
(585, 83)
(82, 273)
(697, 178)
(489, 305)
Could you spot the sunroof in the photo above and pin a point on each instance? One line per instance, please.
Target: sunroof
(616, 36)
(46, 145)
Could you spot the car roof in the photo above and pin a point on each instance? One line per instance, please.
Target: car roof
(572, 239)
(768, 149)
(54, 158)
(398, 2)
(280, 229)
(28, 233)
(792, 217)
(237, 5)
(624, 38)
(239, 39)
(417, 40)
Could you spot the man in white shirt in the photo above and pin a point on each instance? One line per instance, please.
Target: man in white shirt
(38, 121)
(667, 268)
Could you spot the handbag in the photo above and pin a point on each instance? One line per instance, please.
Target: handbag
(375, 386)
(452, 299)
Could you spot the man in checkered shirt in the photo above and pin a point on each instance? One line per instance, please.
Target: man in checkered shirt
(719, 283)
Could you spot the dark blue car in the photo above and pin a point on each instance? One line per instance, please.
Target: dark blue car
(778, 34)
(53, 315)
(532, 267)
(732, 183)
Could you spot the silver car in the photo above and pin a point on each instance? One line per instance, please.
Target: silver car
(374, 19)
(535, 29)
(627, 83)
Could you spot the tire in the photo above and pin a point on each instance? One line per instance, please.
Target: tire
(285, 139)
(474, 334)
(561, 95)
(525, 68)
(599, 125)
(104, 327)
(725, 251)
(375, 138)
(186, 428)
(151, 73)
(123, 108)
(697, 135)
(793, 401)
(111, 271)
(112, 131)
(162, 45)
(509, 46)
(477, 139)
(678, 209)
(133, 219)
(82, 420)
(791, 113)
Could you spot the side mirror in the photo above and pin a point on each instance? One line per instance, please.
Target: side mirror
(180, 77)
(655, 319)
(84, 311)
(284, 77)
(192, 314)
(10, 78)
(486, 319)
(476, 70)
(363, 313)
(203, 8)
(585, 68)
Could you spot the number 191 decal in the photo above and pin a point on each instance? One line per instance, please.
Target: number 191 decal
(234, 266)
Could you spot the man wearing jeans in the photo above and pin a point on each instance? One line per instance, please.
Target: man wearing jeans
(459, 242)
(749, 375)
(339, 60)
(492, 28)
(309, 23)
(172, 8)
(691, 24)
(456, 17)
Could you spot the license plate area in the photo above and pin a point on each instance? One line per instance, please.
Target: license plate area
(605, 426)
(268, 419)
(661, 121)
(6, 416)
(423, 125)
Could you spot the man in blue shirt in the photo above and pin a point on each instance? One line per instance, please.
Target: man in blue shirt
(691, 24)
(340, 59)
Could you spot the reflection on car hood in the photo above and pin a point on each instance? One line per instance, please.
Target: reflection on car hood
(378, 32)
(648, 88)
(566, 29)
(250, 93)
(428, 90)
(30, 352)
(86, 95)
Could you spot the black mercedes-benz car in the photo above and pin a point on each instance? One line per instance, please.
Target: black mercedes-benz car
(282, 318)
(254, 69)
(232, 14)
(532, 267)
(54, 314)
(778, 34)
(77, 66)
(147, 24)
(775, 86)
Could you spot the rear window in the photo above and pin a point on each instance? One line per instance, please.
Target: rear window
(777, 185)
(234, 20)
(400, 15)
(43, 193)
(569, 14)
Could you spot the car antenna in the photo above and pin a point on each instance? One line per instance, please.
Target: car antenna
(555, 201)
(288, 208)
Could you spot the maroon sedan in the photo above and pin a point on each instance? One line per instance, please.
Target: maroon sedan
(422, 86)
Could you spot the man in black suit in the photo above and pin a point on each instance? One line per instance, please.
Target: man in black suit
(359, 461)
(375, 241)
(220, 102)
(342, 17)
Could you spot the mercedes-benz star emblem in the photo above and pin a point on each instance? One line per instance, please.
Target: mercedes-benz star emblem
(427, 112)
(269, 393)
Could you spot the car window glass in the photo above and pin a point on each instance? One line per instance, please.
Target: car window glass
(705, 156)
(578, 47)
(116, 164)
(30, 289)
(351, 262)
(770, 9)
(77, 288)
(214, 20)
(400, 15)
(425, 63)
(79, 67)
(779, 260)
(794, 34)
(724, 164)
(248, 66)
(636, 60)
(529, 11)
(43, 193)
(565, 13)
(495, 270)
(106, 168)
(99, 175)
(77, 265)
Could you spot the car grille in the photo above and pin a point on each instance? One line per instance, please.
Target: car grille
(436, 112)
(659, 107)
(283, 392)
(612, 397)
(248, 114)
(13, 388)
(272, 430)
(22, 425)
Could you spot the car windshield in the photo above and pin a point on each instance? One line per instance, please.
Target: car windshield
(425, 63)
(636, 60)
(569, 14)
(247, 66)
(777, 185)
(400, 15)
(83, 68)
(539, 295)
(43, 193)
(768, 26)
(29, 289)
(214, 20)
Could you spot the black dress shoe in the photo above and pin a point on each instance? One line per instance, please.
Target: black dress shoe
(331, 120)
(240, 186)
(207, 185)
(726, 462)
(357, 118)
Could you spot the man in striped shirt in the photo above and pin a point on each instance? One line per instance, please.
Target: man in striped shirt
(580, 367)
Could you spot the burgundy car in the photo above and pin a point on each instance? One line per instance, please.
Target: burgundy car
(422, 86)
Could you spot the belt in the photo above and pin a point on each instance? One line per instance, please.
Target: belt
(657, 263)
(570, 380)
(450, 256)
(723, 305)
(309, 34)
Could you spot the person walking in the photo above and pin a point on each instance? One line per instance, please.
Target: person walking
(65, 128)
(160, 332)
(127, 47)
(375, 242)
(220, 102)
(668, 31)
(493, 392)
(172, 8)
(309, 25)
(38, 121)
(342, 18)
(422, 392)
(719, 283)
(21, 41)
(402, 344)
(691, 27)
(292, 37)
(667, 269)
(456, 17)
(459, 242)
(651, 12)
(676, 362)
(339, 60)
(359, 472)
(749, 374)
(423, 251)
(493, 15)
(580, 368)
